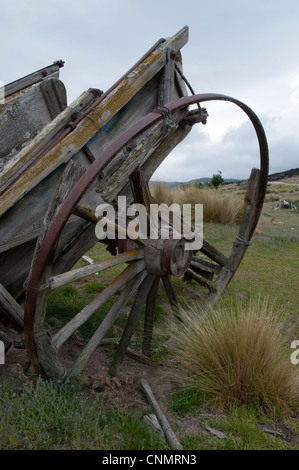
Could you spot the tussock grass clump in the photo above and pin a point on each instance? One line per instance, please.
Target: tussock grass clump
(217, 207)
(163, 194)
(237, 354)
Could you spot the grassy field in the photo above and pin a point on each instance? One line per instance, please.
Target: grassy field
(45, 415)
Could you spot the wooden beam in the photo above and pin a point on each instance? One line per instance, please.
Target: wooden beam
(28, 155)
(11, 307)
(169, 434)
(101, 114)
(35, 77)
(167, 79)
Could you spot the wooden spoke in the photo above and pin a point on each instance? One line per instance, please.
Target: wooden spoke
(131, 323)
(201, 279)
(207, 268)
(214, 254)
(140, 189)
(141, 193)
(131, 271)
(107, 323)
(247, 227)
(74, 275)
(170, 291)
(149, 317)
(84, 211)
(13, 310)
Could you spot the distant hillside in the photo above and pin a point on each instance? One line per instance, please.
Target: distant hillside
(283, 174)
(174, 184)
(273, 177)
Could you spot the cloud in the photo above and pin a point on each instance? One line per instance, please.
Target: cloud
(247, 50)
(235, 153)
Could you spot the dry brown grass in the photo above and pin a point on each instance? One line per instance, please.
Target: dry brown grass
(217, 206)
(237, 354)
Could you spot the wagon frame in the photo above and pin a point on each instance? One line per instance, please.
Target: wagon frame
(102, 146)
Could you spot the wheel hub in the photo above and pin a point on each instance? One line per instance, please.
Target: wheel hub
(167, 257)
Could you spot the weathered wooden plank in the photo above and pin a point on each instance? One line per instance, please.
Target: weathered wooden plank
(140, 189)
(22, 160)
(75, 274)
(242, 240)
(55, 96)
(149, 317)
(167, 79)
(25, 114)
(35, 77)
(180, 84)
(18, 240)
(102, 113)
(139, 301)
(107, 323)
(170, 291)
(169, 434)
(70, 176)
(11, 307)
(41, 350)
(141, 193)
(213, 253)
(147, 153)
(131, 271)
(201, 279)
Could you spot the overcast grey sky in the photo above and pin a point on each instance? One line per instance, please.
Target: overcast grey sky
(245, 49)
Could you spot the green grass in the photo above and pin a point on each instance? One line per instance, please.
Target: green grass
(49, 416)
(242, 429)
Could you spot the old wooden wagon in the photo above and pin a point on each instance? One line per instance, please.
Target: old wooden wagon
(59, 162)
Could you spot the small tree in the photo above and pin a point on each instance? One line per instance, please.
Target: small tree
(217, 180)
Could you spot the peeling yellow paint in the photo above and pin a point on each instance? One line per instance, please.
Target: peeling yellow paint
(70, 145)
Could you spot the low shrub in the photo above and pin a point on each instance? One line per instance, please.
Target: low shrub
(237, 353)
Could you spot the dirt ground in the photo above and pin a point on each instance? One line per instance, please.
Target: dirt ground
(124, 390)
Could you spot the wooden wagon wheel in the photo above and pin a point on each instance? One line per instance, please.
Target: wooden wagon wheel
(147, 262)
